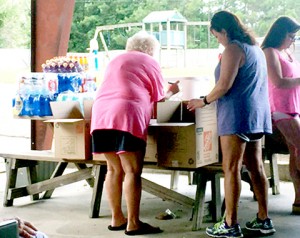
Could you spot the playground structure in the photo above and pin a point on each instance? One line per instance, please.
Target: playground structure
(169, 28)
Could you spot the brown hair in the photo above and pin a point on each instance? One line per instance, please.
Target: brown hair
(278, 32)
(234, 27)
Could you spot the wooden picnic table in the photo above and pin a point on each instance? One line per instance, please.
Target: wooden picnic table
(94, 173)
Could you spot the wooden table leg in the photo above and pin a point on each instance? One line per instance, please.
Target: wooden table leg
(84, 166)
(202, 176)
(198, 213)
(32, 178)
(59, 170)
(216, 198)
(11, 179)
(100, 172)
(12, 172)
(174, 179)
(275, 181)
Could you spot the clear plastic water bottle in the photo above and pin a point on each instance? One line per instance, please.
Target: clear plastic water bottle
(45, 106)
(36, 104)
(28, 105)
(17, 104)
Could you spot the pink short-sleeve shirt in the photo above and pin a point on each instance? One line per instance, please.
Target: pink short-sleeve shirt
(124, 101)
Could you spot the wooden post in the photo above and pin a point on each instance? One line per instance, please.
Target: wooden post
(50, 31)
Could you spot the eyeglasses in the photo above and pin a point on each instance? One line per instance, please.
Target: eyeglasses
(292, 37)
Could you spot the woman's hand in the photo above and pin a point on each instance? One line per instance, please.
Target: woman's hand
(173, 89)
(195, 103)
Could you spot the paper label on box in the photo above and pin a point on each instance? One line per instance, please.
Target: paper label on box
(207, 141)
(208, 144)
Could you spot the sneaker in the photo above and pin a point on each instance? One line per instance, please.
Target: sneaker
(264, 226)
(222, 230)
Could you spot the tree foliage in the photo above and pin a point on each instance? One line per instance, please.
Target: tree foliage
(88, 14)
(14, 23)
(256, 14)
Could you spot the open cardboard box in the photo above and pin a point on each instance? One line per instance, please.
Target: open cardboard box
(184, 141)
(174, 111)
(71, 124)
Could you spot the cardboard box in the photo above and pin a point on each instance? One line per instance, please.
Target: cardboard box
(207, 140)
(174, 111)
(191, 87)
(169, 111)
(186, 144)
(72, 138)
(98, 157)
(151, 149)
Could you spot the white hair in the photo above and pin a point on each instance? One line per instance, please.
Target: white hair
(143, 42)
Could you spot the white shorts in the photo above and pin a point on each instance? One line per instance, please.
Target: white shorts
(278, 116)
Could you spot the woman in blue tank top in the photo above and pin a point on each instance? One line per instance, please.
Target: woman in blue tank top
(243, 117)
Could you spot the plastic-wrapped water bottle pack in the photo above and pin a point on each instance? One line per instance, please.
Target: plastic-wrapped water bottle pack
(35, 91)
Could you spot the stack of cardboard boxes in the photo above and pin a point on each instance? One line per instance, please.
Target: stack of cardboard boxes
(71, 123)
(178, 138)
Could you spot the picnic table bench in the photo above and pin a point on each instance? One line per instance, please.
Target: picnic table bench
(94, 173)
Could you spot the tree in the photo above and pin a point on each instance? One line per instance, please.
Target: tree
(89, 14)
(14, 23)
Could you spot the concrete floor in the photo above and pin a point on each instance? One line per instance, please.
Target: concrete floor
(66, 213)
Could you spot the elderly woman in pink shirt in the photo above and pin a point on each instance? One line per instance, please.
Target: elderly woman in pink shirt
(284, 92)
(120, 117)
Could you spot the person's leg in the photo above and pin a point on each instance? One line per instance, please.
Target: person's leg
(113, 186)
(232, 156)
(232, 148)
(294, 168)
(132, 163)
(245, 176)
(295, 176)
(254, 163)
(290, 129)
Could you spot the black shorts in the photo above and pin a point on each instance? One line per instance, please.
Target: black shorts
(116, 141)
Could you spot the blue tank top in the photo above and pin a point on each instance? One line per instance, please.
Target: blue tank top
(245, 107)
